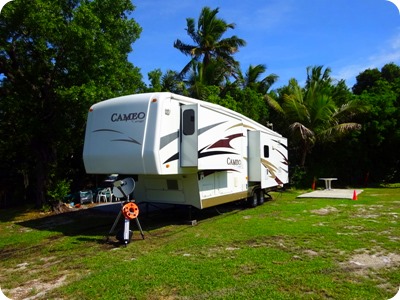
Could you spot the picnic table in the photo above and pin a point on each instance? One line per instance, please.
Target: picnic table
(328, 182)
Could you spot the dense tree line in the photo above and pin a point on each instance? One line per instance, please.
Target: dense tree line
(58, 58)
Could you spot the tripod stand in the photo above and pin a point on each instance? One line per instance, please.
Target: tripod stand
(130, 211)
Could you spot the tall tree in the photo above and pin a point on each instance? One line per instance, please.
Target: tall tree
(311, 113)
(209, 42)
(380, 90)
(56, 59)
(366, 80)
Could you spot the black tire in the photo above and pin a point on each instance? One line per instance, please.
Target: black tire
(260, 196)
(253, 200)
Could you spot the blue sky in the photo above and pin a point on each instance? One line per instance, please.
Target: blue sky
(348, 36)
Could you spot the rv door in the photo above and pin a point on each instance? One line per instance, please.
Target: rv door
(188, 135)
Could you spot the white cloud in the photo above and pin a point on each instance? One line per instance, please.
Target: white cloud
(389, 53)
(261, 16)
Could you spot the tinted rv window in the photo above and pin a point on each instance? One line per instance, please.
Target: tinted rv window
(266, 151)
(188, 122)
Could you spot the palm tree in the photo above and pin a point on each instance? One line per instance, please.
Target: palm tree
(311, 112)
(168, 82)
(209, 43)
(199, 78)
(171, 82)
(251, 79)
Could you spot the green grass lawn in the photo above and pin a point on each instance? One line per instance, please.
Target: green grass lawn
(288, 248)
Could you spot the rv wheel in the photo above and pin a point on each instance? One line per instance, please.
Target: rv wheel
(253, 200)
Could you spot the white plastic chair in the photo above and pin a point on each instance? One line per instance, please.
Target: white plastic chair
(105, 195)
(109, 194)
(101, 196)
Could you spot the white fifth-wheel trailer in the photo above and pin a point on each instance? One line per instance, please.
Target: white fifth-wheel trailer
(184, 151)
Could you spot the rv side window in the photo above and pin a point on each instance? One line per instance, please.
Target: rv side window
(266, 151)
(188, 122)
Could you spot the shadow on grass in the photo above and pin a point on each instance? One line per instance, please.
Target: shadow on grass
(10, 214)
(90, 223)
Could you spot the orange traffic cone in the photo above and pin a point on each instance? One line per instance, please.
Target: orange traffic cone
(354, 195)
(313, 185)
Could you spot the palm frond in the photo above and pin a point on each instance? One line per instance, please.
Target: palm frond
(191, 31)
(305, 133)
(187, 68)
(338, 131)
(274, 104)
(270, 80)
(294, 105)
(321, 108)
(184, 48)
(349, 109)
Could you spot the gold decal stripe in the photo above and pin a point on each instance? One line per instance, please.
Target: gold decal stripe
(223, 199)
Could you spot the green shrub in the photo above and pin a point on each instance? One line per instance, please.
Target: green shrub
(59, 190)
